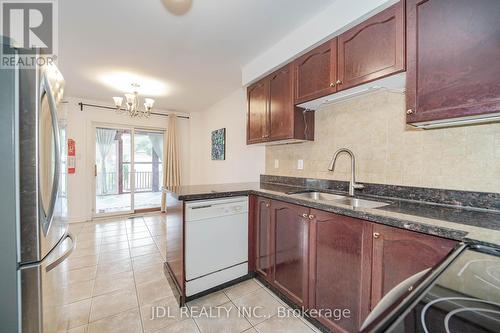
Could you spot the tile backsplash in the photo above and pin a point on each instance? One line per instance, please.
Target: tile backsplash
(389, 152)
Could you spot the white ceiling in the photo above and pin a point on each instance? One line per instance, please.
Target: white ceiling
(190, 61)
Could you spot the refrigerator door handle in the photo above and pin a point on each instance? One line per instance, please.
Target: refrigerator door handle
(45, 89)
(65, 255)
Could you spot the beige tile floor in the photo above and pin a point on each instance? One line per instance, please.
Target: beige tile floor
(115, 278)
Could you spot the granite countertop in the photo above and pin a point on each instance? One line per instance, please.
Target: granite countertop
(463, 224)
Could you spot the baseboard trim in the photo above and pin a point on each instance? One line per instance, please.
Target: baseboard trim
(220, 287)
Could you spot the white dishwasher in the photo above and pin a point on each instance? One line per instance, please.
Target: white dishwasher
(216, 242)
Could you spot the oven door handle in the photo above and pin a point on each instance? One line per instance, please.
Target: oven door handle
(393, 295)
(65, 255)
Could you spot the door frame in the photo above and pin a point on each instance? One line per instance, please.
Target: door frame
(132, 129)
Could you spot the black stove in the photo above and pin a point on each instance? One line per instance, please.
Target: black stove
(463, 298)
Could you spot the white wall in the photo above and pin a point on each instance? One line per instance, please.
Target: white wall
(80, 129)
(340, 16)
(243, 163)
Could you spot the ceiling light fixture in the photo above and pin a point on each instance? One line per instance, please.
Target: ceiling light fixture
(132, 104)
(177, 7)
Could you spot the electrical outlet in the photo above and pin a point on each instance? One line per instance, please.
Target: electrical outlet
(300, 164)
(276, 164)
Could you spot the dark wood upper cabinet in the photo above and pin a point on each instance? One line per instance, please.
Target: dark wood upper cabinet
(258, 100)
(316, 72)
(291, 250)
(399, 254)
(272, 115)
(453, 52)
(373, 49)
(262, 235)
(340, 268)
(281, 106)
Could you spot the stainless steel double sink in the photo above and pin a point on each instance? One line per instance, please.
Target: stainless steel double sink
(340, 199)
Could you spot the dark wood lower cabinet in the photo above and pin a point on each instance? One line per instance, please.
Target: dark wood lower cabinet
(290, 250)
(262, 236)
(334, 264)
(340, 269)
(399, 254)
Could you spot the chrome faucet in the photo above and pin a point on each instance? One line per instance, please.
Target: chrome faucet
(352, 184)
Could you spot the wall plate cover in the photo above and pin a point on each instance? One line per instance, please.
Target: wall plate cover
(300, 164)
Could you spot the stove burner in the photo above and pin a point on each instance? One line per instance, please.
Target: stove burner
(463, 298)
(452, 313)
(494, 272)
(460, 308)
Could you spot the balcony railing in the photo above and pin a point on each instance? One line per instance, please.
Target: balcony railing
(143, 183)
(111, 182)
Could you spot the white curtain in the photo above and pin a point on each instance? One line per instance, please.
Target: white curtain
(104, 138)
(157, 143)
(171, 171)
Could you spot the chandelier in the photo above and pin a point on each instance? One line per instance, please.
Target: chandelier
(132, 104)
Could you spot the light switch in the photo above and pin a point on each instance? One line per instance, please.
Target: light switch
(300, 164)
(276, 164)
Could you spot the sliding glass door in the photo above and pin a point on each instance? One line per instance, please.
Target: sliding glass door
(128, 170)
(148, 158)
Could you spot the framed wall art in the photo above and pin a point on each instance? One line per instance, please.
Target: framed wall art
(219, 144)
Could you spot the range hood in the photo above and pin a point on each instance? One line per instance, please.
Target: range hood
(454, 122)
(395, 82)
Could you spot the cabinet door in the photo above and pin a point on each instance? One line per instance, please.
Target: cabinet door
(399, 254)
(262, 216)
(258, 100)
(290, 250)
(372, 49)
(281, 106)
(453, 47)
(340, 268)
(316, 72)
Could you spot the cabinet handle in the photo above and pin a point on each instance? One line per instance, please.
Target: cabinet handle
(305, 215)
(338, 82)
(376, 235)
(409, 111)
(267, 204)
(311, 217)
(332, 84)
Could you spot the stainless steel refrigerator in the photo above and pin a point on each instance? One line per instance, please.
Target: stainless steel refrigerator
(34, 223)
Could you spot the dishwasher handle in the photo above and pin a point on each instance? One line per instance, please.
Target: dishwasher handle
(200, 207)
